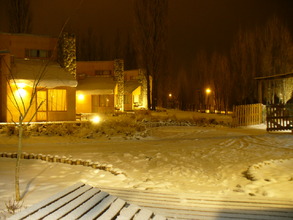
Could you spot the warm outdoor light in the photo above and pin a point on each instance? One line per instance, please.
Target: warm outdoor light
(208, 91)
(170, 95)
(80, 97)
(20, 85)
(96, 119)
(21, 93)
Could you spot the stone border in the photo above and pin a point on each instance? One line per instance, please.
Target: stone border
(66, 160)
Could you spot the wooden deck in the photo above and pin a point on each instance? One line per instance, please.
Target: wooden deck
(82, 201)
(201, 206)
(85, 202)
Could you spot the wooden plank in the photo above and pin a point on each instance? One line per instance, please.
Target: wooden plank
(128, 212)
(41, 213)
(85, 207)
(159, 217)
(99, 209)
(143, 214)
(36, 207)
(72, 205)
(114, 210)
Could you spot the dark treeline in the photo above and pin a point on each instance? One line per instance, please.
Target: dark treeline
(91, 46)
(261, 51)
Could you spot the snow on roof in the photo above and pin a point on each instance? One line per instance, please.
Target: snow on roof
(276, 76)
(130, 86)
(51, 74)
(96, 85)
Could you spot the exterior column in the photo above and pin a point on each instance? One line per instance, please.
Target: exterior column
(143, 98)
(119, 78)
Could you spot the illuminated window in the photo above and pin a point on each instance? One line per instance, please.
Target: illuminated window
(57, 100)
(105, 100)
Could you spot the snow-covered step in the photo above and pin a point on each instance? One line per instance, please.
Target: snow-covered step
(82, 201)
(201, 206)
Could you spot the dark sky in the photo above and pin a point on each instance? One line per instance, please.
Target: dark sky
(193, 24)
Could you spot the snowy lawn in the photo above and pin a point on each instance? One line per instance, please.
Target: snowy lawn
(197, 159)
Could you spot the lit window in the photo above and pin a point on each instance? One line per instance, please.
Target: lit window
(105, 100)
(57, 100)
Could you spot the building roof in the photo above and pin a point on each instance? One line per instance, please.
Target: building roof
(51, 74)
(130, 86)
(276, 76)
(96, 85)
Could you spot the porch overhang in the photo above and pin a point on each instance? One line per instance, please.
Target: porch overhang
(41, 73)
(130, 86)
(96, 86)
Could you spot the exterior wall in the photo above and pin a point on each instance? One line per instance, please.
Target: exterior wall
(131, 75)
(17, 43)
(89, 67)
(83, 103)
(4, 59)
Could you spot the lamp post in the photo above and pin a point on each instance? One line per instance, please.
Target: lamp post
(208, 92)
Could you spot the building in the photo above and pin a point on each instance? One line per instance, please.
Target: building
(275, 89)
(100, 86)
(37, 77)
(135, 90)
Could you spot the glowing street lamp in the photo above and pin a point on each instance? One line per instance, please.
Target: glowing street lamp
(208, 91)
(170, 95)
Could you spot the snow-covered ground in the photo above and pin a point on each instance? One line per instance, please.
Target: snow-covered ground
(213, 160)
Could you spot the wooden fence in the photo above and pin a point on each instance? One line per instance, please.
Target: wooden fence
(244, 115)
(279, 117)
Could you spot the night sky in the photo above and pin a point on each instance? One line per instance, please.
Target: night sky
(193, 24)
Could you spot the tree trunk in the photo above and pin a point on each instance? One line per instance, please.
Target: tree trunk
(19, 153)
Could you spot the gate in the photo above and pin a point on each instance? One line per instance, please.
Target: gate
(244, 115)
(279, 117)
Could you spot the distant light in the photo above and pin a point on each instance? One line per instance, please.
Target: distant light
(96, 119)
(170, 95)
(80, 97)
(208, 91)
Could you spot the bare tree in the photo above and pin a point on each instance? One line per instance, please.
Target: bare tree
(201, 77)
(276, 45)
(87, 46)
(129, 54)
(222, 81)
(25, 109)
(245, 64)
(262, 51)
(150, 41)
(19, 16)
